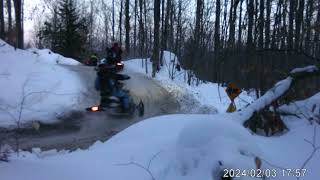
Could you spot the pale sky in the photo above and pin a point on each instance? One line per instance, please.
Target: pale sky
(29, 7)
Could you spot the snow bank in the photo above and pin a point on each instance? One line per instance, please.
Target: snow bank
(46, 55)
(179, 147)
(34, 88)
(309, 108)
(206, 98)
(164, 139)
(305, 69)
(211, 144)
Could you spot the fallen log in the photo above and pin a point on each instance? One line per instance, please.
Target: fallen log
(258, 115)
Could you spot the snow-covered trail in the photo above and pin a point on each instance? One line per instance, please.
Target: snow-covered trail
(100, 126)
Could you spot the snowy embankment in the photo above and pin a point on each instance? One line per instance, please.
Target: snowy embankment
(206, 98)
(179, 147)
(34, 87)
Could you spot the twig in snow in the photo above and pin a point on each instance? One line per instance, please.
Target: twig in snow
(315, 148)
(147, 169)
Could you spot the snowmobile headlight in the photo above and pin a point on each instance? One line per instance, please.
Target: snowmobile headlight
(95, 108)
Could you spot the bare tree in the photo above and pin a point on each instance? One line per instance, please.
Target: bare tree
(298, 21)
(1, 20)
(141, 28)
(240, 24)
(120, 21)
(113, 21)
(217, 27)
(164, 37)
(135, 27)
(9, 6)
(291, 21)
(250, 24)
(261, 24)
(232, 20)
(268, 23)
(127, 26)
(19, 22)
(155, 54)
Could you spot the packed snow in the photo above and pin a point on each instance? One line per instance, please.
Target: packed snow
(34, 87)
(46, 55)
(305, 69)
(206, 97)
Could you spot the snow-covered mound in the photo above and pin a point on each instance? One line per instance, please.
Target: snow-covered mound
(170, 143)
(46, 55)
(34, 88)
(205, 98)
(179, 147)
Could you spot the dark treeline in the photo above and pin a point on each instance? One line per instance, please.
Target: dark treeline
(254, 42)
(11, 29)
(250, 42)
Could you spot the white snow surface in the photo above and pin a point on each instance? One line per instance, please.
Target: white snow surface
(34, 87)
(46, 55)
(308, 109)
(310, 68)
(207, 97)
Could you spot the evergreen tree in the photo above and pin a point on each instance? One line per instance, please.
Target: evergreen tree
(66, 32)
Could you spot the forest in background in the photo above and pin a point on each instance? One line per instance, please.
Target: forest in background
(252, 43)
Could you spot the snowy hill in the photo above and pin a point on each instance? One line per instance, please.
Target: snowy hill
(34, 87)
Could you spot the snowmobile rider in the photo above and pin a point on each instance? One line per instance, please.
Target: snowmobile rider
(108, 83)
(117, 52)
(105, 71)
(93, 59)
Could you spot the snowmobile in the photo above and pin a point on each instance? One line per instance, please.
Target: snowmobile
(119, 65)
(115, 103)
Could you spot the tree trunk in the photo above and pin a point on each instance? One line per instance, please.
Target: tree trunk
(170, 26)
(155, 55)
(309, 13)
(19, 23)
(113, 21)
(120, 21)
(91, 20)
(233, 17)
(164, 38)
(316, 49)
(127, 27)
(199, 16)
(291, 20)
(284, 32)
(240, 24)
(1, 20)
(267, 24)
(299, 19)
(250, 45)
(135, 27)
(9, 15)
(141, 28)
(217, 27)
(261, 24)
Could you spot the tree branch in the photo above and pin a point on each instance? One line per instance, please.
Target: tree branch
(147, 169)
